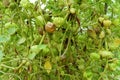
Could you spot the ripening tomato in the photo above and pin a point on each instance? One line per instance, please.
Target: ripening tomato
(50, 27)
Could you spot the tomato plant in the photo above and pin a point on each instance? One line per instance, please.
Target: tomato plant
(60, 40)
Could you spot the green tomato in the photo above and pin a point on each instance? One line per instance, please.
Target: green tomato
(92, 33)
(108, 31)
(11, 28)
(94, 56)
(81, 61)
(72, 10)
(102, 35)
(46, 50)
(58, 21)
(116, 22)
(100, 19)
(87, 74)
(24, 61)
(81, 67)
(112, 66)
(24, 3)
(27, 63)
(13, 6)
(113, 46)
(9, 24)
(106, 54)
(84, 6)
(62, 72)
(61, 3)
(106, 23)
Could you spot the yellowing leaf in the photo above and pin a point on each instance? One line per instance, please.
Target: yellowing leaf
(48, 66)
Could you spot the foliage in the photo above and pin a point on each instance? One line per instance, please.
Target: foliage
(65, 40)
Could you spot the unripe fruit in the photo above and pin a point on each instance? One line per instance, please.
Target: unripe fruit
(108, 31)
(84, 6)
(9, 24)
(106, 54)
(116, 22)
(87, 74)
(81, 67)
(115, 44)
(50, 27)
(106, 17)
(100, 19)
(13, 6)
(102, 35)
(72, 10)
(112, 66)
(24, 3)
(94, 56)
(24, 61)
(58, 21)
(27, 63)
(106, 23)
(92, 33)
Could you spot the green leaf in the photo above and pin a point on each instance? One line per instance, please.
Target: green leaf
(1, 55)
(37, 48)
(21, 40)
(11, 30)
(32, 56)
(42, 46)
(4, 38)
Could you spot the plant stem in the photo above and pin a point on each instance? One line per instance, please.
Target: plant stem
(67, 46)
(105, 69)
